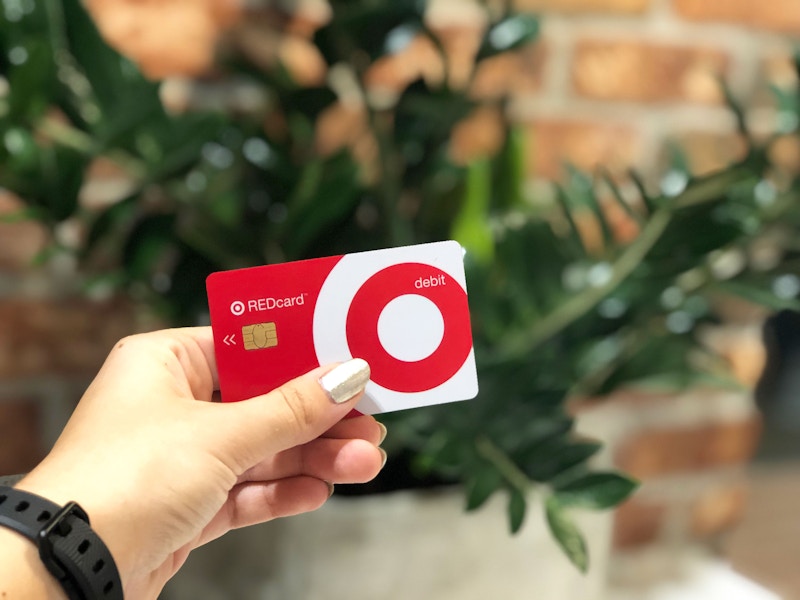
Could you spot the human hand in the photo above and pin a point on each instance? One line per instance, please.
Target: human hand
(161, 470)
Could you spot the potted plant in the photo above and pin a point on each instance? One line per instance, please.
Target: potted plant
(554, 316)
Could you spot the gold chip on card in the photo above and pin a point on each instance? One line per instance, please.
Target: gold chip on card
(259, 336)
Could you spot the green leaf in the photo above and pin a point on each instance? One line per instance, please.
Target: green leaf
(508, 34)
(481, 484)
(310, 101)
(31, 82)
(62, 170)
(104, 68)
(516, 510)
(758, 295)
(425, 117)
(545, 462)
(25, 214)
(735, 106)
(509, 173)
(326, 195)
(109, 223)
(581, 193)
(608, 179)
(148, 244)
(647, 199)
(368, 30)
(567, 534)
(471, 226)
(575, 240)
(189, 275)
(596, 491)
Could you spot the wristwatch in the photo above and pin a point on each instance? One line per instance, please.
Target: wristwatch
(68, 547)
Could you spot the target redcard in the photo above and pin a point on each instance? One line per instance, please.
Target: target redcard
(403, 310)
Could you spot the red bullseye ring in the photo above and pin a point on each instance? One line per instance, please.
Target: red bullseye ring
(362, 327)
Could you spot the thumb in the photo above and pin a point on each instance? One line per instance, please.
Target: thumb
(293, 414)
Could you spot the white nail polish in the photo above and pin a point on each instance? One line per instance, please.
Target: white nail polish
(346, 380)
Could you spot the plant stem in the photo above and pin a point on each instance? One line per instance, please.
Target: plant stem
(578, 305)
(503, 463)
(64, 134)
(389, 188)
(67, 136)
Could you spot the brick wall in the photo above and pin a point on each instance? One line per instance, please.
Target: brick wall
(52, 339)
(612, 83)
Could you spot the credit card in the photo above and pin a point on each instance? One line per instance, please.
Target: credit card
(403, 310)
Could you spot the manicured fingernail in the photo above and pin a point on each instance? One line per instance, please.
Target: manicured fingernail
(383, 432)
(384, 455)
(346, 380)
(330, 488)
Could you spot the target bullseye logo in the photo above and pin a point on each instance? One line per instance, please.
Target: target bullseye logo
(404, 311)
(237, 308)
(391, 285)
(406, 343)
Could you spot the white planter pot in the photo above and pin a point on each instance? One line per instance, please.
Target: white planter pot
(423, 545)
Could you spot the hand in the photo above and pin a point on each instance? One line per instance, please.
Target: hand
(161, 470)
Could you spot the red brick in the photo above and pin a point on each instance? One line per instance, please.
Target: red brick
(586, 144)
(19, 242)
(784, 154)
(105, 182)
(780, 70)
(637, 523)
(481, 134)
(583, 6)
(520, 72)
(718, 509)
(741, 347)
(21, 447)
(624, 228)
(421, 58)
(639, 71)
(165, 37)
(777, 15)
(259, 43)
(679, 450)
(343, 126)
(51, 336)
(708, 152)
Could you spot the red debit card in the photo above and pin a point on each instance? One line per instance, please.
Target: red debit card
(403, 310)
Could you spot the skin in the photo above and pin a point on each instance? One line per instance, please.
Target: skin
(161, 470)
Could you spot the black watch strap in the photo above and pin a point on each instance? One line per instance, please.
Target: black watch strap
(68, 547)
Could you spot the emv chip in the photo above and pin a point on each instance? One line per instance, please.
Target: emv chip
(259, 336)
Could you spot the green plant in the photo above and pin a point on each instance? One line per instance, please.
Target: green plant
(553, 317)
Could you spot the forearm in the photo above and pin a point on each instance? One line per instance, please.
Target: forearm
(22, 574)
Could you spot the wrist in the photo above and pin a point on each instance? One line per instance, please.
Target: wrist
(22, 573)
(60, 535)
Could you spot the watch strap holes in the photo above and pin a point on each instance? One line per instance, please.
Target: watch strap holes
(22, 506)
(84, 546)
(108, 587)
(98, 566)
(3, 498)
(44, 516)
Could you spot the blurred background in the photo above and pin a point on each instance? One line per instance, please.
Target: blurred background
(623, 176)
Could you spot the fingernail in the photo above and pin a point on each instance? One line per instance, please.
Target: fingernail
(383, 432)
(346, 380)
(385, 457)
(330, 488)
